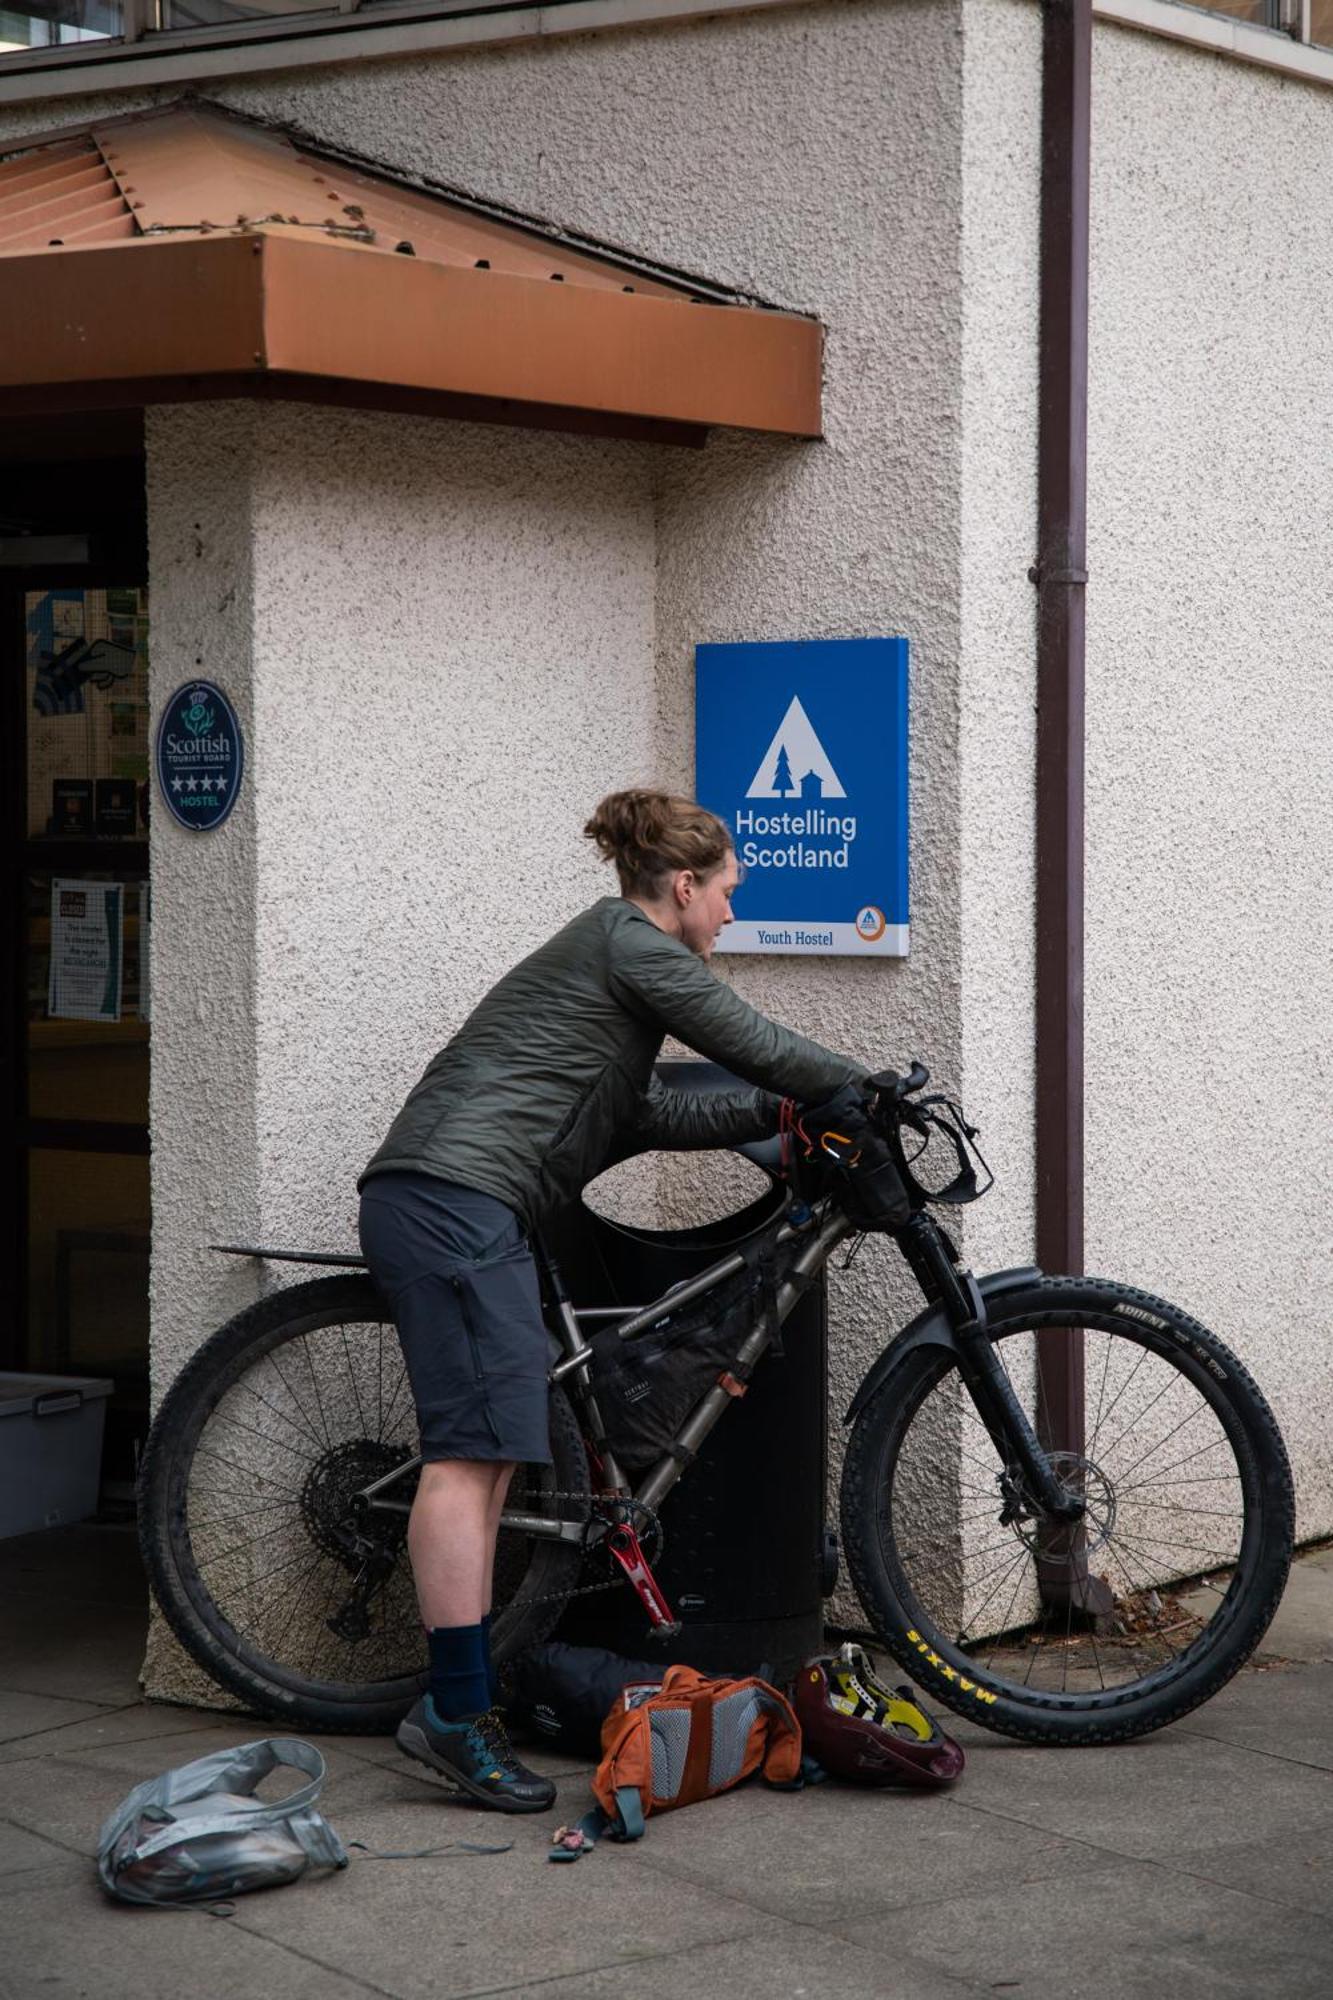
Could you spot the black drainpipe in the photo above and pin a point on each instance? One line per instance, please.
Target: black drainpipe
(1060, 575)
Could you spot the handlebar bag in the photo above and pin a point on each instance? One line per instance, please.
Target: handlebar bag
(838, 1149)
(198, 1833)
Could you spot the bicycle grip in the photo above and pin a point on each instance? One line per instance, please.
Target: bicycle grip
(895, 1088)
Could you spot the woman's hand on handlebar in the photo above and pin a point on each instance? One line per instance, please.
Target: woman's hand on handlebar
(891, 1089)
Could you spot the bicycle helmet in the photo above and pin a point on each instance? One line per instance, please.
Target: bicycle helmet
(860, 1730)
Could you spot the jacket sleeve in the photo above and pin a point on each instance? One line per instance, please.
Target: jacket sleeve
(661, 980)
(681, 1121)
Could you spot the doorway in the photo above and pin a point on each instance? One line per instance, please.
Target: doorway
(79, 918)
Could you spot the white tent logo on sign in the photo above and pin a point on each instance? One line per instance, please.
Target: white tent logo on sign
(796, 764)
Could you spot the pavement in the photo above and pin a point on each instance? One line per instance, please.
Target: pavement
(1197, 1862)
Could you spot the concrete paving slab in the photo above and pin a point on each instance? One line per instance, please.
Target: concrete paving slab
(48, 1652)
(140, 1759)
(72, 1941)
(1134, 1930)
(1295, 1870)
(384, 1751)
(21, 1850)
(467, 1924)
(23, 1715)
(135, 1722)
(1303, 1628)
(832, 1851)
(93, 1562)
(785, 1963)
(1167, 1795)
(1284, 1711)
(66, 1801)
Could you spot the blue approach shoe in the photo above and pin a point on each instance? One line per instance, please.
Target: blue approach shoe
(476, 1757)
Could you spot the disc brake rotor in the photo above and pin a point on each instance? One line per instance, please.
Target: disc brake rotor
(1085, 1479)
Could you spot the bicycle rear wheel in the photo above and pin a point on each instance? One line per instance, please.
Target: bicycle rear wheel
(271, 1571)
(1188, 1529)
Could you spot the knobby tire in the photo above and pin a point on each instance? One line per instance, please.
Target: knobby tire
(1167, 1386)
(279, 1416)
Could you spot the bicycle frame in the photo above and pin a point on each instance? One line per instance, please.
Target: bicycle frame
(933, 1261)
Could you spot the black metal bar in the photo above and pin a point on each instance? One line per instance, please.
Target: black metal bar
(84, 1135)
(1061, 578)
(60, 857)
(13, 948)
(1061, 575)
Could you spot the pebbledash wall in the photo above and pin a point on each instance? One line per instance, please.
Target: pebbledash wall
(1210, 712)
(448, 640)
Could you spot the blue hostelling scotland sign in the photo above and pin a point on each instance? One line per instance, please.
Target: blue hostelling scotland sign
(801, 747)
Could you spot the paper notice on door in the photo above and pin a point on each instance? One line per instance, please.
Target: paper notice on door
(87, 950)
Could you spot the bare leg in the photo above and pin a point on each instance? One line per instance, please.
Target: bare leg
(451, 1538)
(499, 1494)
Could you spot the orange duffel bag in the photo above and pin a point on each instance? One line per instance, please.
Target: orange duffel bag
(687, 1740)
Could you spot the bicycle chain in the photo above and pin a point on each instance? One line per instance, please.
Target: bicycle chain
(646, 1524)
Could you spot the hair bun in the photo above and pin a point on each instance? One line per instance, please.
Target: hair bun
(650, 835)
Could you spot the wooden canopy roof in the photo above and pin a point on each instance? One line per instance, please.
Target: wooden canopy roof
(189, 252)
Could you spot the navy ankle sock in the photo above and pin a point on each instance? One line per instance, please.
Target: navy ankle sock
(459, 1671)
(490, 1664)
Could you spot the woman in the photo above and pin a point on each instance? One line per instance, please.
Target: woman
(545, 1084)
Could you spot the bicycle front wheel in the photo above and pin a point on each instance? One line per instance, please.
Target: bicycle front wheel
(1161, 1594)
(272, 1569)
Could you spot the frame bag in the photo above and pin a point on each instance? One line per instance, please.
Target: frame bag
(646, 1387)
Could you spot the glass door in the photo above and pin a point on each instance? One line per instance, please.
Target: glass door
(85, 910)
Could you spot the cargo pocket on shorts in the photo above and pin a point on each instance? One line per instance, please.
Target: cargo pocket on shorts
(500, 1306)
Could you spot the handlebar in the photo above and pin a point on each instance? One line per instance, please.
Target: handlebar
(894, 1088)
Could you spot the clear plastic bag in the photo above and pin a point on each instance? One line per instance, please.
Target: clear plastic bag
(198, 1834)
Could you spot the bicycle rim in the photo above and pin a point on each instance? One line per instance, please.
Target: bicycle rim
(303, 1590)
(1170, 1542)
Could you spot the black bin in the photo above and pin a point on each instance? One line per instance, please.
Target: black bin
(744, 1563)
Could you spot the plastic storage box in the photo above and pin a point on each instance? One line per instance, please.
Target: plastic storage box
(50, 1449)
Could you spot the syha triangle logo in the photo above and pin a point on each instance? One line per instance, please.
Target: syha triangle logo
(796, 765)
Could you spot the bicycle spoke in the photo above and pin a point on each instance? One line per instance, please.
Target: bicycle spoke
(314, 1383)
(347, 1355)
(249, 1390)
(246, 1471)
(314, 1435)
(1162, 1503)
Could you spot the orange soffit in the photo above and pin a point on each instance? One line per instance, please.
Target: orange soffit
(189, 251)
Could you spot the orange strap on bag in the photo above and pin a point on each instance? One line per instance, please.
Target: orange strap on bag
(689, 1740)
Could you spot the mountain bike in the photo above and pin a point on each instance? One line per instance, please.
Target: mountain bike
(1067, 1508)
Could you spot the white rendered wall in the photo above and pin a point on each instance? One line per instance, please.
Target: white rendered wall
(440, 640)
(1210, 711)
(997, 610)
(813, 158)
(810, 158)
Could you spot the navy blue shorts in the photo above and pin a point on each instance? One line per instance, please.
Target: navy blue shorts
(456, 1269)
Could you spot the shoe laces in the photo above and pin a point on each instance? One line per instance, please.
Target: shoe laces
(493, 1734)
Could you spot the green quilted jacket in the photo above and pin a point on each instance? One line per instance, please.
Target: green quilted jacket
(550, 1080)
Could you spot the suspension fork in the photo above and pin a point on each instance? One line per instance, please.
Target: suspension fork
(957, 1292)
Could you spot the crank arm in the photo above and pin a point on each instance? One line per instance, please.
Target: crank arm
(623, 1544)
